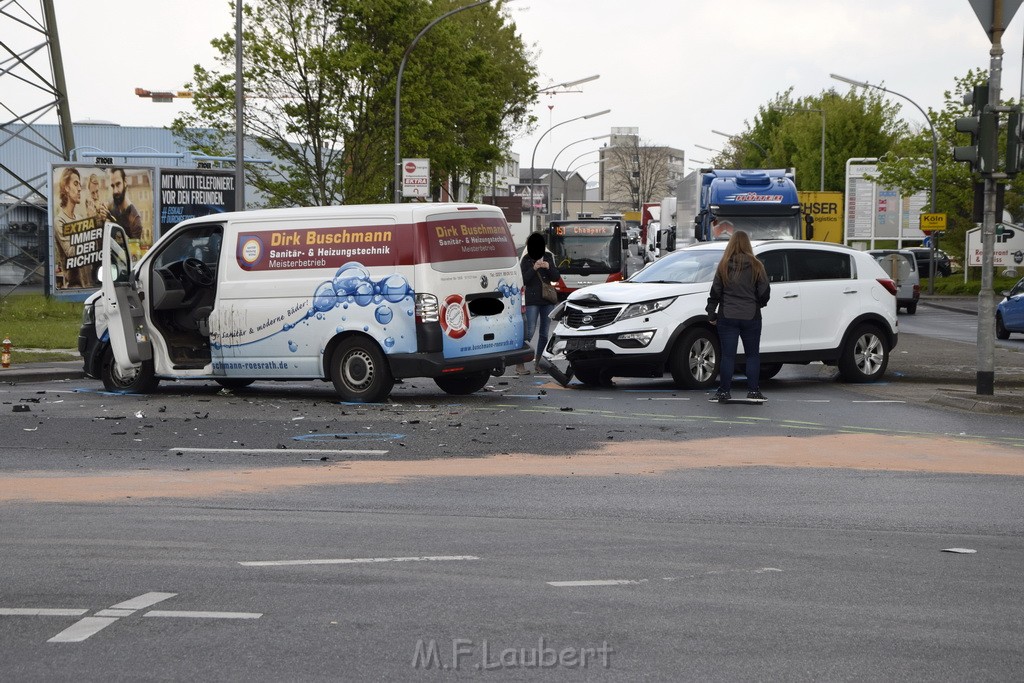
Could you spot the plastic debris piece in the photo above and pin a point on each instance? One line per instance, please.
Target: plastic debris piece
(960, 551)
(20, 408)
(139, 414)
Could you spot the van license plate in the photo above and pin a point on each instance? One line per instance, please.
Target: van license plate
(580, 344)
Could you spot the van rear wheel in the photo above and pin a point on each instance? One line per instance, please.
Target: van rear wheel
(463, 383)
(140, 380)
(360, 372)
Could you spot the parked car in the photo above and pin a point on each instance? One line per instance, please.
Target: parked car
(904, 272)
(943, 265)
(1010, 311)
(828, 303)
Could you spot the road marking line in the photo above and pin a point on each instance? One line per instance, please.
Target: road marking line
(115, 612)
(82, 629)
(358, 560)
(40, 612)
(295, 451)
(144, 600)
(879, 401)
(202, 615)
(594, 582)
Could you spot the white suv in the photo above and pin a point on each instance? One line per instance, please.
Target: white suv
(828, 303)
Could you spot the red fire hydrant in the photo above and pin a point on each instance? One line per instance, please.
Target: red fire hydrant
(5, 357)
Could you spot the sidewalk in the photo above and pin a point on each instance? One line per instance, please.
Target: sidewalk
(921, 369)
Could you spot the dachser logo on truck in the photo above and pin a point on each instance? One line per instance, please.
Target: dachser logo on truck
(754, 197)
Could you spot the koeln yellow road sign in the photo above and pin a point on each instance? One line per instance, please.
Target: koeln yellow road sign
(933, 222)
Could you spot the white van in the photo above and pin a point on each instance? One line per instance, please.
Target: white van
(358, 295)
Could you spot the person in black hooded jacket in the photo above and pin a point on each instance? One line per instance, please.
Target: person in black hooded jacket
(738, 293)
(536, 264)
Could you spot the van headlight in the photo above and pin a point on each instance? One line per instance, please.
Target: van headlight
(646, 307)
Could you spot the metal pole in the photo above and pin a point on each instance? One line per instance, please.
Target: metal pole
(822, 184)
(398, 93)
(239, 111)
(986, 314)
(533, 157)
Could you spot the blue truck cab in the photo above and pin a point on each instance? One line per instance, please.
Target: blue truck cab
(761, 202)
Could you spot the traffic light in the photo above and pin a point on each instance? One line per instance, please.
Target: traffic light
(983, 128)
(1014, 143)
(982, 153)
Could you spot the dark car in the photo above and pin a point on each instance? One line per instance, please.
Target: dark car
(942, 265)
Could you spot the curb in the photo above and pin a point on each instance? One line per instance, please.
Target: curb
(978, 404)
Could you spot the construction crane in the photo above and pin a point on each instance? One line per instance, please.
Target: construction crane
(163, 95)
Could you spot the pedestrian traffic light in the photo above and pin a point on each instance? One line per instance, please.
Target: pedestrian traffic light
(982, 153)
(1014, 142)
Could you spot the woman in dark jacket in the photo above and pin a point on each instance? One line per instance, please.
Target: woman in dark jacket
(738, 293)
(536, 264)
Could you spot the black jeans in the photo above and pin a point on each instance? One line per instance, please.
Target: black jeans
(730, 331)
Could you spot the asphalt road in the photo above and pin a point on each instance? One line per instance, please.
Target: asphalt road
(198, 533)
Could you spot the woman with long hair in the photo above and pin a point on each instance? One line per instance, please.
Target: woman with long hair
(738, 293)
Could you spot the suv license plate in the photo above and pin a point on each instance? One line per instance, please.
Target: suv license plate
(580, 344)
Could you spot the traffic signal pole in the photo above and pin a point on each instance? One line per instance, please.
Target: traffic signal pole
(985, 379)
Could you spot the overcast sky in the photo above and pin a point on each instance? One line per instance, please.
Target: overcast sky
(675, 69)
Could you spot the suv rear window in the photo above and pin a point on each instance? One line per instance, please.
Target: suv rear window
(791, 265)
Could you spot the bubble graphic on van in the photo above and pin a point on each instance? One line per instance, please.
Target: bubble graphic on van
(384, 314)
(325, 298)
(394, 288)
(292, 346)
(349, 277)
(389, 342)
(364, 293)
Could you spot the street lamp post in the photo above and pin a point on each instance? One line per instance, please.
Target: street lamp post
(821, 186)
(398, 92)
(744, 138)
(935, 160)
(708, 149)
(533, 157)
(555, 161)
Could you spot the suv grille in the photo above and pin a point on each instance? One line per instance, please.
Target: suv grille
(577, 318)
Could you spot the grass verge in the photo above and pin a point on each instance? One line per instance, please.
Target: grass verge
(49, 326)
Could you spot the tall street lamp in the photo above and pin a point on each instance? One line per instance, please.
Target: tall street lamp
(935, 159)
(817, 111)
(708, 149)
(533, 157)
(554, 163)
(398, 92)
(744, 138)
(569, 84)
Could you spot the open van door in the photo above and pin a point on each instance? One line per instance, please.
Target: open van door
(119, 305)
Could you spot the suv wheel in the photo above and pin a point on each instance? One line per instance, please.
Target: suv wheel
(865, 356)
(594, 377)
(695, 359)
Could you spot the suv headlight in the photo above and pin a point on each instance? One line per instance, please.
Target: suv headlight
(646, 307)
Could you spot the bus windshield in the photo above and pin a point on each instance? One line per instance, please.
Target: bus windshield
(586, 248)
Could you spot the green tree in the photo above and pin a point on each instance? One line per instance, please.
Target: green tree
(789, 131)
(908, 164)
(320, 81)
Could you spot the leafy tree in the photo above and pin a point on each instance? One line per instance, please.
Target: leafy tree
(908, 165)
(788, 131)
(320, 81)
